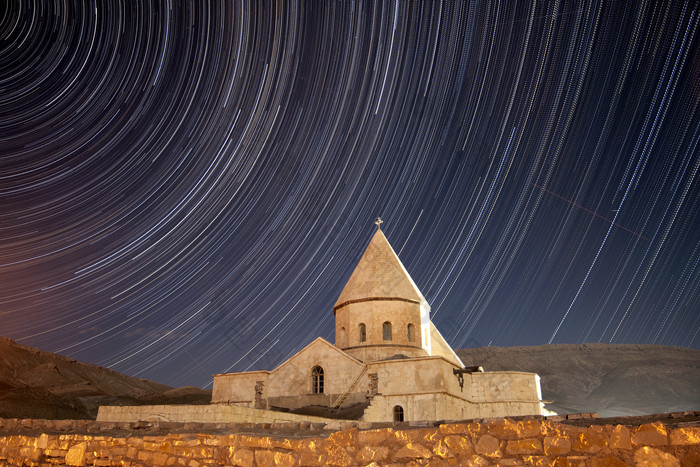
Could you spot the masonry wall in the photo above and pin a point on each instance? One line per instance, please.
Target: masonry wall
(219, 413)
(239, 388)
(289, 385)
(496, 442)
(374, 313)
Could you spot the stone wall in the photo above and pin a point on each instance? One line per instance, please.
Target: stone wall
(217, 413)
(495, 442)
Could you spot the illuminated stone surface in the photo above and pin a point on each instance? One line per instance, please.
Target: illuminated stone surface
(651, 457)
(457, 444)
(650, 434)
(243, 457)
(590, 441)
(488, 446)
(372, 454)
(620, 438)
(685, 435)
(524, 446)
(555, 445)
(607, 461)
(76, 454)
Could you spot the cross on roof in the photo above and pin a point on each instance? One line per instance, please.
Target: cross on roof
(379, 223)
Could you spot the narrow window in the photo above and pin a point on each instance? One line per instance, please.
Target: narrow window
(342, 337)
(398, 413)
(317, 380)
(363, 332)
(411, 332)
(386, 331)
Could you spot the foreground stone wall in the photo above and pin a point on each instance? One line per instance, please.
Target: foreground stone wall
(497, 442)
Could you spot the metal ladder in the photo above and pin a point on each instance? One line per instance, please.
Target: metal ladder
(352, 385)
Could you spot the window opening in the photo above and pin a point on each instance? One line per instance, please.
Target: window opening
(398, 413)
(411, 332)
(363, 332)
(317, 380)
(386, 331)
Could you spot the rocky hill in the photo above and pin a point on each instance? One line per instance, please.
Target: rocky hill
(611, 379)
(37, 384)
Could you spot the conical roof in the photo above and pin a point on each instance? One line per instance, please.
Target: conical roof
(379, 275)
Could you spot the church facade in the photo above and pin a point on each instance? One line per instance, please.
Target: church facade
(389, 362)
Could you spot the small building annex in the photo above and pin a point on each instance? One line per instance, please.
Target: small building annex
(389, 361)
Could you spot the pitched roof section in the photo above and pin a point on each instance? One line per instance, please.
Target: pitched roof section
(379, 275)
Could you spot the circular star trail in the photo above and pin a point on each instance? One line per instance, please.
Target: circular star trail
(185, 187)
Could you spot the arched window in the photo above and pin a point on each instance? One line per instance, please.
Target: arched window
(398, 413)
(341, 338)
(411, 332)
(386, 331)
(363, 332)
(317, 380)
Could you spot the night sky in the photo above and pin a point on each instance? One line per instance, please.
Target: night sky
(185, 190)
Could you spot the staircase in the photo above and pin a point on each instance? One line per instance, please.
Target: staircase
(352, 385)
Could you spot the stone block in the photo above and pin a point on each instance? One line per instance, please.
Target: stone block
(440, 449)
(607, 461)
(650, 434)
(524, 446)
(284, 459)
(590, 441)
(557, 445)
(459, 445)
(575, 461)
(243, 457)
(372, 454)
(508, 462)
(260, 442)
(76, 454)
(529, 428)
(64, 425)
(337, 455)
(647, 456)
(685, 435)
(30, 453)
(145, 456)
(503, 428)
(413, 451)
(421, 435)
(345, 439)
(475, 461)
(160, 458)
(450, 428)
(373, 437)
(620, 438)
(488, 446)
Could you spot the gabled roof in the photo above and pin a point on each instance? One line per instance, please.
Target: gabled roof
(379, 275)
(315, 344)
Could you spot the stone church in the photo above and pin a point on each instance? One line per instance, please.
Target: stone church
(389, 361)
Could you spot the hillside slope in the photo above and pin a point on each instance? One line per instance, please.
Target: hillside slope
(611, 379)
(37, 384)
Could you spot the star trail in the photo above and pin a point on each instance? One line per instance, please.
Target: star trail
(185, 187)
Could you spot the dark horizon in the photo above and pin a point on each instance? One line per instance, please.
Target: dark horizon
(186, 189)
